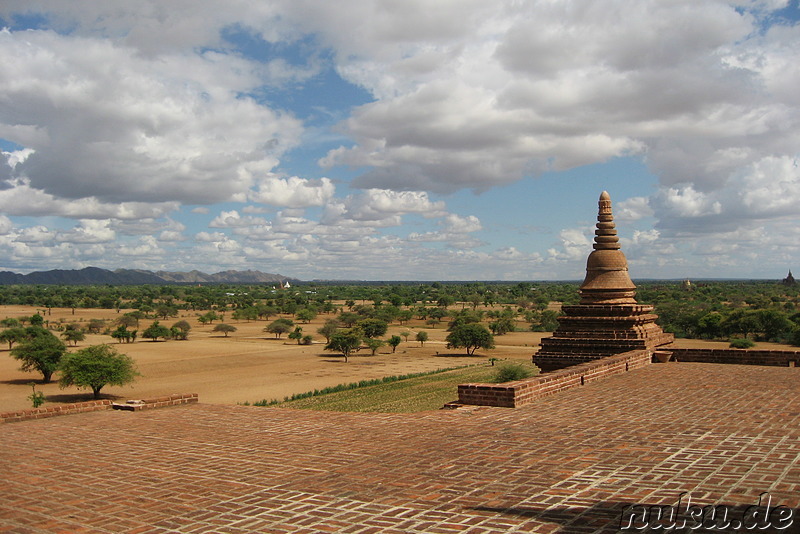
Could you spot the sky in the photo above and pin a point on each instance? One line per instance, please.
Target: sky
(400, 139)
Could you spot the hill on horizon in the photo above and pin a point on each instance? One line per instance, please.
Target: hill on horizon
(98, 276)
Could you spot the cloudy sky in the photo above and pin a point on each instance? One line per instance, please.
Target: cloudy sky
(400, 139)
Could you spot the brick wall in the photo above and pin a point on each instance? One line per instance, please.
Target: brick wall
(520, 392)
(96, 405)
(780, 358)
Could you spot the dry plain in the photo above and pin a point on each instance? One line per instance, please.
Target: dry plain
(250, 364)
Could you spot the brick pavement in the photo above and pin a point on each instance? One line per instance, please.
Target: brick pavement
(566, 463)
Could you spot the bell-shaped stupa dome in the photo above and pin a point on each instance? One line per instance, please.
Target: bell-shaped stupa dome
(607, 280)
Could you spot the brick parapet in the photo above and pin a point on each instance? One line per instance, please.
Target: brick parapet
(96, 405)
(521, 392)
(779, 358)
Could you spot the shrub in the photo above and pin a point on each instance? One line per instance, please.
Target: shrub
(510, 371)
(741, 343)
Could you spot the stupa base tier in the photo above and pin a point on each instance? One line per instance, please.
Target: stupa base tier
(608, 310)
(560, 352)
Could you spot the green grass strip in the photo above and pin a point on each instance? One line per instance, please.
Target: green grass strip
(404, 393)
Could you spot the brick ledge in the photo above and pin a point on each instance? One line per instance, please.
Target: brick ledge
(97, 405)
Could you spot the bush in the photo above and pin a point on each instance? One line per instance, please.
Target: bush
(741, 343)
(509, 372)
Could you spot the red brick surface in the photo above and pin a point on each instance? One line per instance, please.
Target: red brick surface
(567, 463)
(520, 392)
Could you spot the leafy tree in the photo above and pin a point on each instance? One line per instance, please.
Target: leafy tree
(13, 335)
(209, 317)
(95, 326)
(155, 331)
(41, 351)
(305, 315)
(502, 326)
(345, 341)
(404, 316)
(165, 311)
(122, 334)
(224, 328)
(393, 342)
(471, 336)
(328, 329)
(405, 334)
(374, 344)
(180, 330)
(73, 335)
(279, 327)
(37, 320)
(373, 328)
(296, 335)
(96, 366)
(422, 337)
(10, 322)
(349, 319)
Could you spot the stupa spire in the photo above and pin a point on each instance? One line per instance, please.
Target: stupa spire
(608, 319)
(607, 280)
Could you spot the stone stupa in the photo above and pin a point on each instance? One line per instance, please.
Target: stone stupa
(608, 319)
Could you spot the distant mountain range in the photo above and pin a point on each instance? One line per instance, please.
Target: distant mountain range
(97, 276)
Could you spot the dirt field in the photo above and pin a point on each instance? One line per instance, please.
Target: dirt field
(250, 364)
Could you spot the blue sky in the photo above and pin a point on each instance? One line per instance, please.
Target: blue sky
(415, 140)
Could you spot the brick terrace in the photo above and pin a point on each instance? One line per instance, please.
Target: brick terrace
(565, 463)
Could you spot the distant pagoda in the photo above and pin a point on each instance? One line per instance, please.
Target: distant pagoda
(789, 280)
(608, 319)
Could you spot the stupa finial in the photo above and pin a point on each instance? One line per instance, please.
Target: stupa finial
(607, 279)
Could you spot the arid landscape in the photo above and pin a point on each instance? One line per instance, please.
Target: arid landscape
(250, 365)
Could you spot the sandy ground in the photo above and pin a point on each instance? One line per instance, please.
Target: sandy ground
(250, 365)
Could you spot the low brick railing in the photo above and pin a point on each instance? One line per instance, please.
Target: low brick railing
(521, 392)
(95, 406)
(779, 358)
(156, 402)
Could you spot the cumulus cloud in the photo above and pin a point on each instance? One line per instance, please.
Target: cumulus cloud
(232, 219)
(293, 192)
(116, 126)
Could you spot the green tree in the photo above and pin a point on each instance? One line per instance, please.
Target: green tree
(41, 352)
(372, 328)
(12, 335)
(279, 327)
(393, 342)
(180, 330)
(422, 337)
(73, 335)
(224, 328)
(122, 334)
(155, 331)
(305, 315)
(502, 326)
(374, 344)
(297, 334)
(328, 329)
(95, 367)
(345, 341)
(37, 320)
(471, 336)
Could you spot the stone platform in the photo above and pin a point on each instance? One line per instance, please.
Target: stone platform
(570, 462)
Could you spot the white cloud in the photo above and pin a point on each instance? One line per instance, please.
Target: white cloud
(232, 219)
(89, 231)
(293, 192)
(121, 127)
